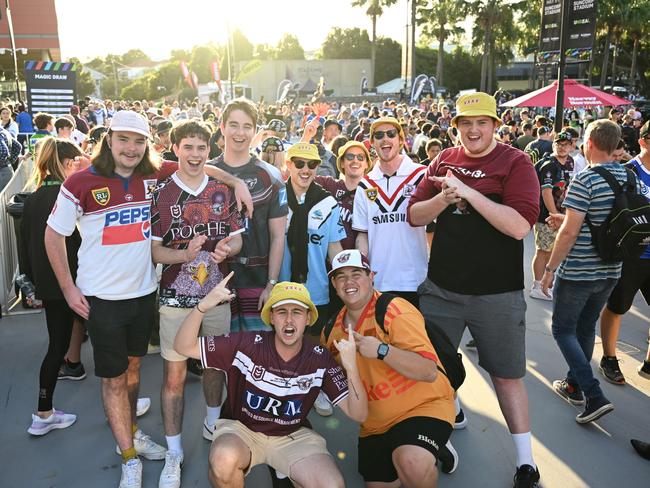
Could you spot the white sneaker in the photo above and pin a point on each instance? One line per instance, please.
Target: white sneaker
(145, 447)
(58, 420)
(323, 406)
(171, 473)
(151, 349)
(143, 406)
(131, 474)
(208, 430)
(536, 292)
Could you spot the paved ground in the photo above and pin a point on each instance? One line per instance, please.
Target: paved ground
(569, 455)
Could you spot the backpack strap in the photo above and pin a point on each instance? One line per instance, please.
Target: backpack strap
(380, 309)
(616, 187)
(329, 326)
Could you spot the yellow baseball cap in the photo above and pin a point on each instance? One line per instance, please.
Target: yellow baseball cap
(289, 292)
(474, 105)
(386, 120)
(303, 150)
(343, 149)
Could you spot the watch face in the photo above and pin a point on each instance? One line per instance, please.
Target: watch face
(382, 350)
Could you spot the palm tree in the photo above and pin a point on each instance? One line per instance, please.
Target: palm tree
(637, 29)
(375, 10)
(440, 20)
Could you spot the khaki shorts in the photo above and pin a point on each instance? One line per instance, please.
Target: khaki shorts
(544, 237)
(279, 452)
(216, 322)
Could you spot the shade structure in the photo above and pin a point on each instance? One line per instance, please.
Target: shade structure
(575, 95)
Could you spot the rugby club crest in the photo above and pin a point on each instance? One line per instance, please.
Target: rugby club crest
(175, 211)
(258, 372)
(101, 195)
(371, 193)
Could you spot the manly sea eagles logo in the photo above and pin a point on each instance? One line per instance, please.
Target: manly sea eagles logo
(304, 383)
(250, 182)
(175, 210)
(371, 193)
(343, 258)
(102, 195)
(218, 203)
(318, 349)
(258, 372)
(339, 194)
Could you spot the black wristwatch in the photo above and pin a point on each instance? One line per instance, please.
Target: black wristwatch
(382, 351)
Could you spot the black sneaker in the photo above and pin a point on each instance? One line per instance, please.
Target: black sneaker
(644, 370)
(461, 420)
(643, 448)
(448, 458)
(610, 370)
(471, 344)
(194, 366)
(596, 408)
(526, 477)
(69, 372)
(571, 393)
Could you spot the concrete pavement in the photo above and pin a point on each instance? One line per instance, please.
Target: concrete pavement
(569, 455)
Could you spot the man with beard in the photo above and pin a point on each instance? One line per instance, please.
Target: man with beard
(484, 196)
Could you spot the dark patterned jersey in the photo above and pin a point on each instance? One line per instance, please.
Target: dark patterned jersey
(345, 197)
(265, 393)
(269, 201)
(178, 214)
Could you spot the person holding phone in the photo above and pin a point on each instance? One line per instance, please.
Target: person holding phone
(195, 227)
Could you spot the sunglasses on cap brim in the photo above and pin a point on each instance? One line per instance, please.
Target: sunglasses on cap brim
(300, 163)
(379, 134)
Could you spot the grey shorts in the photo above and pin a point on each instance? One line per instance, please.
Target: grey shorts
(497, 323)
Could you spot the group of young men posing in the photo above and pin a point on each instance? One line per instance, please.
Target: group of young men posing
(220, 231)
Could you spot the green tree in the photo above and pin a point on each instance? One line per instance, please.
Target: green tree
(289, 48)
(440, 20)
(346, 44)
(375, 10)
(241, 46)
(201, 59)
(263, 52)
(134, 56)
(389, 60)
(85, 82)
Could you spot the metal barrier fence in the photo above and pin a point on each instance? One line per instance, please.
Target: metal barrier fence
(8, 246)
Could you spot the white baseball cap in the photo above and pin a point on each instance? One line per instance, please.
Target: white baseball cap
(349, 257)
(130, 121)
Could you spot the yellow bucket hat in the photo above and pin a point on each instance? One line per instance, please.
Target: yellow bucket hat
(303, 150)
(474, 105)
(289, 292)
(343, 149)
(386, 120)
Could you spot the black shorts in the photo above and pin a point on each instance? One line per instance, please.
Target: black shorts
(375, 452)
(119, 329)
(635, 277)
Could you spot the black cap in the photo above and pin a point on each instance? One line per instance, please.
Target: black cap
(164, 126)
(645, 129)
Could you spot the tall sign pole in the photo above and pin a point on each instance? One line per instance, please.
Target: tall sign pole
(13, 49)
(559, 96)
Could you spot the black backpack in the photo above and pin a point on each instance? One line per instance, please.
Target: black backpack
(451, 359)
(625, 233)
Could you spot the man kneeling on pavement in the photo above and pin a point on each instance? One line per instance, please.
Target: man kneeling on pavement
(273, 379)
(410, 406)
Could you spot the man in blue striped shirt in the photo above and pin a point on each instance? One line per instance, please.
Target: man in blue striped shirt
(584, 281)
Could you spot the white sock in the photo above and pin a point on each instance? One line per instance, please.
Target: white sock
(537, 284)
(279, 475)
(212, 414)
(457, 405)
(524, 448)
(174, 443)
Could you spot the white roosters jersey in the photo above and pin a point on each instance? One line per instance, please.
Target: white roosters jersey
(397, 251)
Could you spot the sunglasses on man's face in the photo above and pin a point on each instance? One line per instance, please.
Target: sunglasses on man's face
(351, 156)
(379, 134)
(300, 163)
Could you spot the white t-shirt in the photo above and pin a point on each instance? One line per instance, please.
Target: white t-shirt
(397, 251)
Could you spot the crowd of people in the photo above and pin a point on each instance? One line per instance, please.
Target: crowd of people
(277, 229)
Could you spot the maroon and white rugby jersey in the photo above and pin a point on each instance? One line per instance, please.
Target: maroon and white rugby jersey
(265, 393)
(178, 214)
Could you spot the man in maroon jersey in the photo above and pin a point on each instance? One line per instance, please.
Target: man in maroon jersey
(195, 226)
(274, 378)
